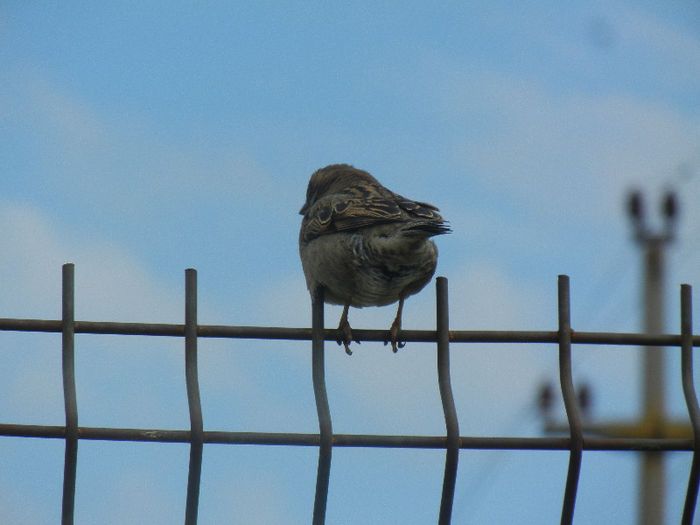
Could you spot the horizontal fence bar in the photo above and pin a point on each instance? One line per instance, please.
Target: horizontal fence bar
(304, 334)
(347, 440)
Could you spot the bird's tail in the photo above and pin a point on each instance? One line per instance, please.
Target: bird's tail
(427, 227)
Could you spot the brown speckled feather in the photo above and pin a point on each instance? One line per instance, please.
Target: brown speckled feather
(366, 245)
(355, 200)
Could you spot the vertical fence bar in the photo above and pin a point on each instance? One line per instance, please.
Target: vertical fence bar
(69, 394)
(448, 402)
(324, 413)
(570, 402)
(193, 399)
(691, 401)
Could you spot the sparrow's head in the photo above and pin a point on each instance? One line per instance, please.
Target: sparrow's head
(334, 179)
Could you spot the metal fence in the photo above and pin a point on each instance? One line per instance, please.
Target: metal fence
(326, 440)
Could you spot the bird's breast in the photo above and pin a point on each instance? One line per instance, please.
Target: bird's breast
(368, 268)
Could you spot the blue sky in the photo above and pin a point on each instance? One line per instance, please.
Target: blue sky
(139, 140)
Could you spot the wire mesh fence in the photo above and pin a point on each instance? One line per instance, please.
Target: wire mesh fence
(326, 440)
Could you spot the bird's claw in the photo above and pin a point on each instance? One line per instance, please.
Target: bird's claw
(345, 335)
(394, 337)
(395, 344)
(346, 344)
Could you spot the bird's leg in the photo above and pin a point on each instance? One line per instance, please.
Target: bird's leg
(395, 329)
(344, 330)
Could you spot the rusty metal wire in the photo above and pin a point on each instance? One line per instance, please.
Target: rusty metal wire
(570, 402)
(304, 334)
(193, 398)
(691, 402)
(325, 428)
(576, 443)
(448, 403)
(69, 394)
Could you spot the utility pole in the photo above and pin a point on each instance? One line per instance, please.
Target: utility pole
(653, 421)
(652, 479)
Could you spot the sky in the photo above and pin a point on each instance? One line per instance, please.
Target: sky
(140, 139)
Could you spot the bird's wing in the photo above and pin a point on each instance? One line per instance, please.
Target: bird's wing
(347, 213)
(419, 209)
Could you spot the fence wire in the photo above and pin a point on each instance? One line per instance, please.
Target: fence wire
(326, 439)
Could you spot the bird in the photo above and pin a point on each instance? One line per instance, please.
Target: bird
(365, 245)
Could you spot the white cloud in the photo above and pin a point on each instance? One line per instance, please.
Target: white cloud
(110, 283)
(673, 50)
(119, 164)
(31, 257)
(573, 150)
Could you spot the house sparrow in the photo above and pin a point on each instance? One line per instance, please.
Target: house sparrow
(366, 245)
